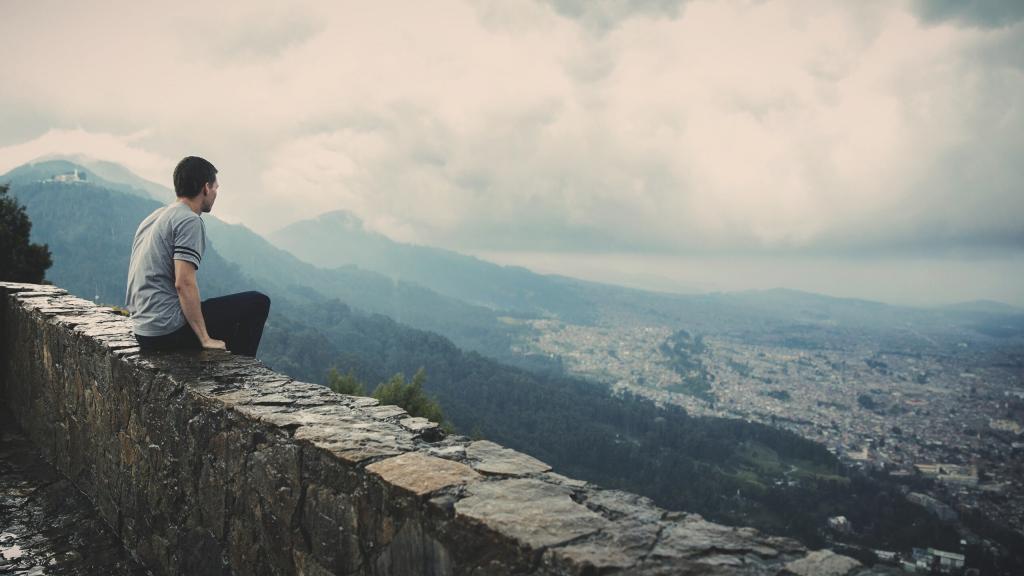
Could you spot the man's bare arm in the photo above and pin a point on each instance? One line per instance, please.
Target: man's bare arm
(188, 295)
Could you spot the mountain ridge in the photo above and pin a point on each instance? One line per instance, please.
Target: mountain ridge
(100, 172)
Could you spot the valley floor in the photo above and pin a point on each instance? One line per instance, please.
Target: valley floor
(949, 412)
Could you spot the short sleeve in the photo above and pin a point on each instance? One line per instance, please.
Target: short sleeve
(189, 240)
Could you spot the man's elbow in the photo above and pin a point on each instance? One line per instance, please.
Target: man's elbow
(185, 285)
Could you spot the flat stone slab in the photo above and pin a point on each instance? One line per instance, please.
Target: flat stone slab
(565, 480)
(40, 292)
(355, 443)
(417, 424)
(239, 396)
(296, 418)
(361, 401)
(823, 563)
(694, 537)
(619, 504)
(492, 458)
(422, 474)
(25, 287)
(455, 452)
(537, 514)
(274, 399)
(637, 525)
(623, 545)
(385, 412)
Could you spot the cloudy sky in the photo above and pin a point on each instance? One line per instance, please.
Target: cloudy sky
(868, 149)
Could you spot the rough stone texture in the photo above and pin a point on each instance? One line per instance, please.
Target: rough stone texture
(823, 563)
(422, 474)
(534, 512)
(209, 463)
(491, 458)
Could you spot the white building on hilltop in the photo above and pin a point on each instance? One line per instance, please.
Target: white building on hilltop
(74, 176)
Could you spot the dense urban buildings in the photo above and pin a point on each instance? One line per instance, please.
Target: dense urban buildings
(945, 409)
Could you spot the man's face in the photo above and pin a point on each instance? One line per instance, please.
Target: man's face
(210, 194)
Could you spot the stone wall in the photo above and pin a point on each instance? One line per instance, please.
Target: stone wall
(209, 463)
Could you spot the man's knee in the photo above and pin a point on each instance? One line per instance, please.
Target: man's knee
(262, 301)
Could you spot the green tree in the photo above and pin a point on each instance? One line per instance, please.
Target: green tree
(20, 260)
(411, 397)
(345, 384)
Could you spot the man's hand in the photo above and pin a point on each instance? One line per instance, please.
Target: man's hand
(214, 344)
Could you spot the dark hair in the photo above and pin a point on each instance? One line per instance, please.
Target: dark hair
(191, 174)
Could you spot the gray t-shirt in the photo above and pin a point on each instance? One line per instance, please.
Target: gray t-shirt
(171, 233)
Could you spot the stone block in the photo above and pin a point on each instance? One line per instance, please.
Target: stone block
(536, 513)
(491, 458)
(422, 474)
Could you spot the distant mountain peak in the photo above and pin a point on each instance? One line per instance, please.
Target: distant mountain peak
(70, 168)
(49, 170)
(990, 306)
(343, 218)
(334, 223)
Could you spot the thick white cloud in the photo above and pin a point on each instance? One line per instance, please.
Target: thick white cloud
(488, 125)
(122, 148)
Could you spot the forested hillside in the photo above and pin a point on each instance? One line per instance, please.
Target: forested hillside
(730, 470)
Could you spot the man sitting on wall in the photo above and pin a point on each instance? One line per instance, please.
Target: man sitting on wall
(163, 296)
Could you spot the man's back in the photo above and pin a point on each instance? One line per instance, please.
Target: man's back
(173, 232)
(163, 293)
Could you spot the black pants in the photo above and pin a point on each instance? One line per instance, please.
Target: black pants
(237, 319)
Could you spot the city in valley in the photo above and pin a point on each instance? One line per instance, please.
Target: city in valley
(948, 408)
